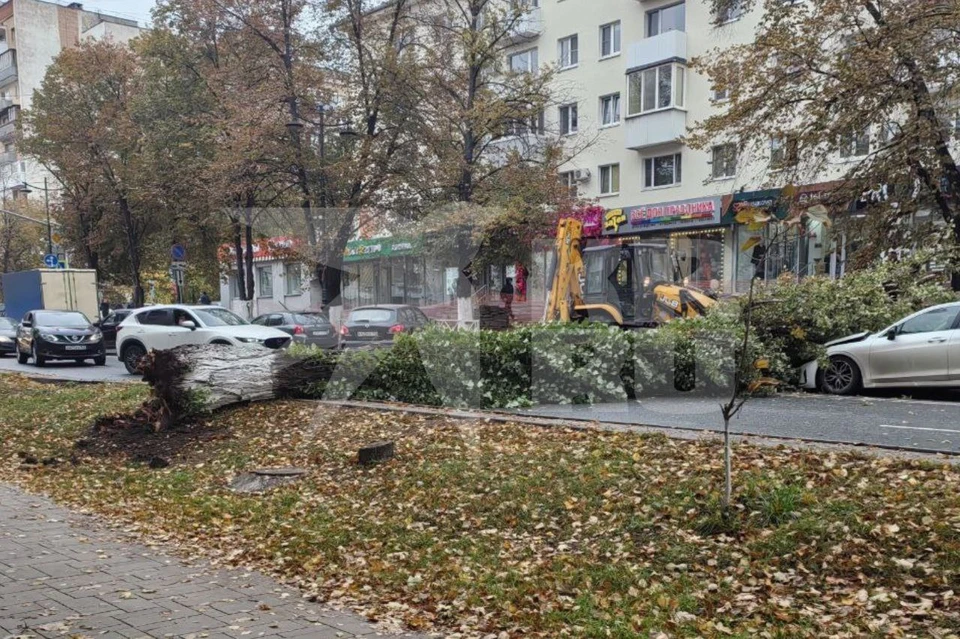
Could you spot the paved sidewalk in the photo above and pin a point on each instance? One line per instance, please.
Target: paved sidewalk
(64, 575)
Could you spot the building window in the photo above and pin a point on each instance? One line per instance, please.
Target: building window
(265, 281)
(523, 61)
(610, 110)
(783, 152)
(610, 179)
(569, 181)
(294, 279)
(568, 119)
(724, 163)
(656, 88)
(520, 127)
(855, 144)
(670, 18)
(610, 39)
(732, 10)
(569, 52)
(663, 170)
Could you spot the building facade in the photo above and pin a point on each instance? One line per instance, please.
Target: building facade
(32, 34)
(627, 96)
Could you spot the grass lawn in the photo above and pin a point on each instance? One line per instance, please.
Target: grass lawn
(503, 531)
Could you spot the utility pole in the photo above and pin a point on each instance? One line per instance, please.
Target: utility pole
(46, 204)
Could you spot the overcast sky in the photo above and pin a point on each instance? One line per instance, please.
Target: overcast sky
(137, 9)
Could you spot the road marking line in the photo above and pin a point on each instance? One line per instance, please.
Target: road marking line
(933, 430)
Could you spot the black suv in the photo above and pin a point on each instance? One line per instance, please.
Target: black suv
(59, 335)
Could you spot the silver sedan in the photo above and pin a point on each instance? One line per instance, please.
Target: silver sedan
(922, 350)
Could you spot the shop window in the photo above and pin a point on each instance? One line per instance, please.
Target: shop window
(659, 87)
(699, 258)
(662, 171)
(294, 279)
(265, 281)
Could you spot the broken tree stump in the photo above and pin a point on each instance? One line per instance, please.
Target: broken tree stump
(378, 452)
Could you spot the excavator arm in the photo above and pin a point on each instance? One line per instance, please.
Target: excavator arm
(566, 292)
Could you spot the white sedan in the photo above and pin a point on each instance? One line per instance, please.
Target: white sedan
(163, 327)
(922, 350)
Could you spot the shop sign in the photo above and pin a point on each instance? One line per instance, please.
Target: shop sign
(613, 220)
(372, 249)
(676, 214)
(768, 200)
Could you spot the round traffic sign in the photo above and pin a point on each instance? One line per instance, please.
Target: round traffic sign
(51, 261)
(178, 252)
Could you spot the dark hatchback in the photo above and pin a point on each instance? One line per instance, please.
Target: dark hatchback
(108, 326)
(59, 335)
(307, 328)
(8, 336)
(379, 325)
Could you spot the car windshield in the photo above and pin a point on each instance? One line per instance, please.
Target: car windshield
(63, 320)
(6, 323)
(218, 317)
(311, 319)
(372, 315)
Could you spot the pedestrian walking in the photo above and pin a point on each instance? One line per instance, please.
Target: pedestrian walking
(204, 299)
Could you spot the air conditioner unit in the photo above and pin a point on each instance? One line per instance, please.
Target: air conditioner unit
(581, 175)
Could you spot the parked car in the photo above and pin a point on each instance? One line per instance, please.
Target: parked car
(8, 336)
(162, 327)
(108, 326)
(307, 328)
(379, 325)
(922, 349)
(59, 335)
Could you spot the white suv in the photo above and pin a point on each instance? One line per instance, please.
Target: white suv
(162, 327)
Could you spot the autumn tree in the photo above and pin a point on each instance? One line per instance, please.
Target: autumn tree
(863, 93)
(83, 122)
(483, 122)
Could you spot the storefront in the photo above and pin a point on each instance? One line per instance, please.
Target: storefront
(693, 229)
(799, 249)
(390, 271)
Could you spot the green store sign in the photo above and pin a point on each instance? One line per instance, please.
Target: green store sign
(375, 249)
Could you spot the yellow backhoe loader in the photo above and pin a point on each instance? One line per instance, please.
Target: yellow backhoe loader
(630, 284)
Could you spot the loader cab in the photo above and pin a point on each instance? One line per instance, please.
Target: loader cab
(625, 276)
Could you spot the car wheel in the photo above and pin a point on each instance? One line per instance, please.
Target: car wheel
(132, 355)
(38, 360)
(100, 361)
(841, 377)
(22, 358)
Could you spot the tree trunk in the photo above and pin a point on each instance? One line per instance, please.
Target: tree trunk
(188, 381)
(133, 250)
(238, 249)
(248, 261)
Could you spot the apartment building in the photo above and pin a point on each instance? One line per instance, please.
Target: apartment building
(626, 95)
(32, 34)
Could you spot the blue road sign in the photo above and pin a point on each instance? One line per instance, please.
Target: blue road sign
(51, 261)
(178, 252)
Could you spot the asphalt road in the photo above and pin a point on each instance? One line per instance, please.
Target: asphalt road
(114, 371)
(928, 421)
(928, 424)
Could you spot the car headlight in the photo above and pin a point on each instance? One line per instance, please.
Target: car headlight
(96, 337)
(48, 337)
(250, 340)
(5, 340)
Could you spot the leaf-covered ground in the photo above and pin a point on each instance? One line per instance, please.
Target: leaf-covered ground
(490, 530)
